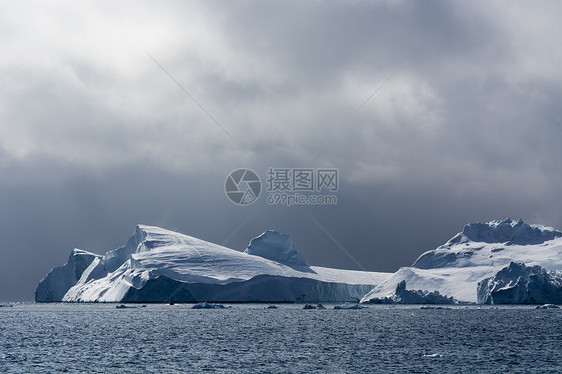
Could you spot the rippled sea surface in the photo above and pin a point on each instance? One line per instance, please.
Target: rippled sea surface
(98, 338)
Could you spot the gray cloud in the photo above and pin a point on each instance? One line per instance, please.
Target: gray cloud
(95, 137)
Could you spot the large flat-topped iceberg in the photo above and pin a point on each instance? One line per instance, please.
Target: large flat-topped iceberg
(479, 252)
(158, 265)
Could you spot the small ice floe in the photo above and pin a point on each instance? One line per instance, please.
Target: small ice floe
(434, 307)
(432, 355)
(123, 306)
(349, 306)
(271, 307)
(547, 306)
(205, 305)
(312, 306)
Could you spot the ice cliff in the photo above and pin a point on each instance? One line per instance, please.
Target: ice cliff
(403, 296)
(520, 284)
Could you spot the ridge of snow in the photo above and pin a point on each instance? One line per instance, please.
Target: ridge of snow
(278, 247)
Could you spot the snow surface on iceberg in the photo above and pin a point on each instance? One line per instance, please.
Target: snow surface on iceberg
(520, 284)
(478, 252)
(158, 265)
(277, 247)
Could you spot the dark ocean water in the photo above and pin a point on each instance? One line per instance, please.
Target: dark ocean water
(93, 338)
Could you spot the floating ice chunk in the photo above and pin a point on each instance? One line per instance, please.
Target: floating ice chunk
(123, 306)
(312, 306)
(432, 355)
(206, 305)
(434, 307)
(547, 306)
(349, 306)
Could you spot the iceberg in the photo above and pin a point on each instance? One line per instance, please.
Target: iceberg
(520, 284)
(159, 265)
(479, 252)
(403, 296)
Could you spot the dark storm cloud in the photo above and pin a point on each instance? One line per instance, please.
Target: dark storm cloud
(95, 137)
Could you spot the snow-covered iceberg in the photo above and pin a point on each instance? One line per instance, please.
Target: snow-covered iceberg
(158, 265)
(520, 284)
(478, 252)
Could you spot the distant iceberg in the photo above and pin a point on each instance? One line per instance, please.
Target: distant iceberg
(502, 261)
(479, 252)
(158, 265)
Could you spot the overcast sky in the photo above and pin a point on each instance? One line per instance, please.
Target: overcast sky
(435, 113)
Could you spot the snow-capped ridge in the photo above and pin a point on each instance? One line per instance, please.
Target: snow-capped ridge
(509, 232)
(278, 247)
(459, 250)
(114, 259)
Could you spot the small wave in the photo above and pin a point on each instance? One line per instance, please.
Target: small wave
(432, 355)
